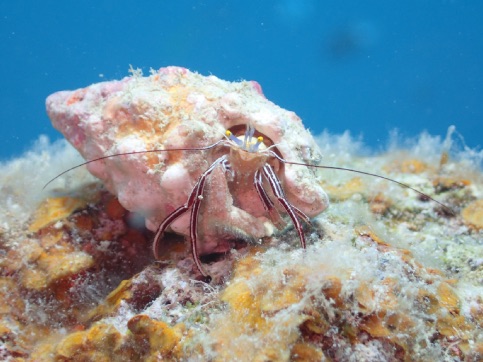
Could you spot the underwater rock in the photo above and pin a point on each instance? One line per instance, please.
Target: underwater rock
(176, 108)
(351, 295)
(339, 310)
(473, 214)
(337, 302)
(55, 209)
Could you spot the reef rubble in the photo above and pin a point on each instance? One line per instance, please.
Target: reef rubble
(387, 275)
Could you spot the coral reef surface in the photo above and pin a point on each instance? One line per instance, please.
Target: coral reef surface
(388, 275)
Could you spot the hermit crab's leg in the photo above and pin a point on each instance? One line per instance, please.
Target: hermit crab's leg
(266, 201)
(292, 211)
(301, 215)
(200, 185)
(172, 217)
(194, 202)
(257, 181)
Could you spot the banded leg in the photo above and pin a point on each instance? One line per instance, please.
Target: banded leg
(196, 209)
(258, 182)
(194, 202)
(266, 201)
(292, 211)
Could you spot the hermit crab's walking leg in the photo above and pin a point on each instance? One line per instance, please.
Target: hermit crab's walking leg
(266, 201)
(301, 215)
(258, 182)
(195, 212)
(292, 211)
(194, 202)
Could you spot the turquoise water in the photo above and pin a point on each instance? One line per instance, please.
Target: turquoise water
(368, 67)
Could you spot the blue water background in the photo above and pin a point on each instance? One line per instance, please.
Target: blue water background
(364, 66)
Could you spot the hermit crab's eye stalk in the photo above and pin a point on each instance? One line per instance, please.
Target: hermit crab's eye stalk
(246, 142)
(232, 138)
(254, 146)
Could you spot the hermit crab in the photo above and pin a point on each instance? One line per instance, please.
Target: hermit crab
(249, 161)
(176, 141)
